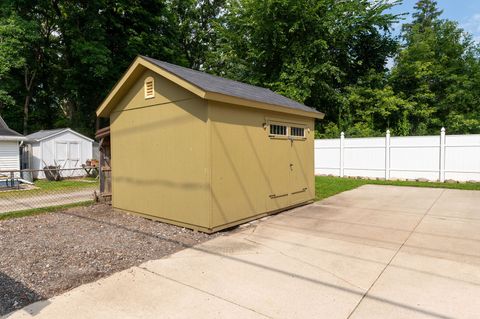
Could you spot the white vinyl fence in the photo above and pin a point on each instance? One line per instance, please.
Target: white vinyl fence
(436, 158)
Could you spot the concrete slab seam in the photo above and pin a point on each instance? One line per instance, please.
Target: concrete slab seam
(394, 255)
(379, 210)
(206, 292)
(307, 263)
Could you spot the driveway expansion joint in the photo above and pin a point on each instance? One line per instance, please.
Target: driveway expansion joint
(205, 292)
(395, 254)
(308, 264)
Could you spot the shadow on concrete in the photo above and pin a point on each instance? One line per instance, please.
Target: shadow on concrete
(356, 292)
(362, 259)
(15, 295)
(357, 239)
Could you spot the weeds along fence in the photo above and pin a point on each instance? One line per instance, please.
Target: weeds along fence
(25, 190)
(435, 158)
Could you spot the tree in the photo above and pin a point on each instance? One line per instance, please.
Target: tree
(12, 34)
(437, 73)
(59, 59)
(20, 53)
(308, 50)
(100, 39)
(373, 107)
(195, 20)
(71, 53)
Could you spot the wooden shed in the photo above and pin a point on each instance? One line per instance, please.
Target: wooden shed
(205, 152)
(62, 147)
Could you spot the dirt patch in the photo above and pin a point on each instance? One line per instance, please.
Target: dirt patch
(45, 255)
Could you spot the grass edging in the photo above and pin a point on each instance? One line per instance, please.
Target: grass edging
(42, 210)
(42, 187)
(326, 186)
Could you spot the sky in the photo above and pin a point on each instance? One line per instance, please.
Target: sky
(465, 12)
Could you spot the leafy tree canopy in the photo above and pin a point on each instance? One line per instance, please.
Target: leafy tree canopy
(58, 58)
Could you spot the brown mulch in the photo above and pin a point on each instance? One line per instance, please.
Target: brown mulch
(45, 255)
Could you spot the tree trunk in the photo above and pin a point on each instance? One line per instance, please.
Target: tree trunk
(28, 98)
(26, 107)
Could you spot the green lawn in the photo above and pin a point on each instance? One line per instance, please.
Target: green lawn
(326, 186)
(45, 186)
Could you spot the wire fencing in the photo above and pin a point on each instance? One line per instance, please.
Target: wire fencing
(24, 190)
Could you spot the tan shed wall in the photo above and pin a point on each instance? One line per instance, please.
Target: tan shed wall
(160, 154)
(248, 166)
(204, 165)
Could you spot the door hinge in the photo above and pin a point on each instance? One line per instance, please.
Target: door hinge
(277, 196)
(300, 191)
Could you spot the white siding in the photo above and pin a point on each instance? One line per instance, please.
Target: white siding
(9, 155)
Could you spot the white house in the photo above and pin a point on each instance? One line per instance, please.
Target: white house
(9, 147)
(62, 147)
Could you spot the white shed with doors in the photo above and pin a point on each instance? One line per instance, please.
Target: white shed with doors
(9, 148)
(63, 148)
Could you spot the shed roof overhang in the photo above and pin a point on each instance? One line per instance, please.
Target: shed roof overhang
(12, 138)
(140, 64)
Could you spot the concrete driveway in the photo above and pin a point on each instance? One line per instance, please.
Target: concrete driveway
(374, 252)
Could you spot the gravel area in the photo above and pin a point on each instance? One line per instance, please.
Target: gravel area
(45, 255)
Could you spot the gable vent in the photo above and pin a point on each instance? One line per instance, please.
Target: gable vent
(149, 88)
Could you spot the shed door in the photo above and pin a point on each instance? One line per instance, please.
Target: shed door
(287, 166)
(73, 154)
(61, 154)
(67, 154)
(299, 191)
(279, 174)
(279, 165)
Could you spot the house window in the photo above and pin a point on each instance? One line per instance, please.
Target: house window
(278, 130)
(149, 88)
(297, 131)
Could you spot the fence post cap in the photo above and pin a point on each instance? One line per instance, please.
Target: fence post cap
(342, 134)
(442, 130)
(388, 132)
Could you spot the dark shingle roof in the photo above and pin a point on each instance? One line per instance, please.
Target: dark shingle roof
(216, 84)
(44, 133)
(6, 131)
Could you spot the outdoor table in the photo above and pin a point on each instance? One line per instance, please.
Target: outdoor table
(91, 170)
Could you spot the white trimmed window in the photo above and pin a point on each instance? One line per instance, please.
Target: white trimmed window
(149, 88)
(297, 131)
(278, 130)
